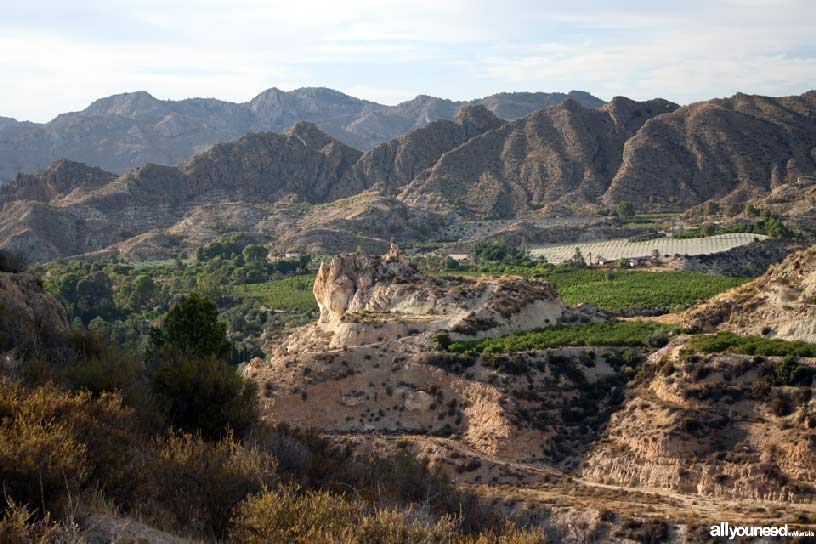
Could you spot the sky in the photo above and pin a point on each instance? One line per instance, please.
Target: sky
(58, 56)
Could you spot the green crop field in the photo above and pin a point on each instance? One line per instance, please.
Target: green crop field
(751, 345)
(625, 333)
(625, 291)
(633, 291)
(291, 294)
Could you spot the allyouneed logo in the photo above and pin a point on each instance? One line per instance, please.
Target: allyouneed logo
(727, 530)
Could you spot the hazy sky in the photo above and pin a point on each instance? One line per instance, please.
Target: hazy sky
(58, 55)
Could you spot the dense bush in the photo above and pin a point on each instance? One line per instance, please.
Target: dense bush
(498, 251)
(206, 395)
(9, 262)
(751, 345)
(53, 442)
(190, 482)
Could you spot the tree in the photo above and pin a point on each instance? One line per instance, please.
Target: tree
(191, 329)
(626, 210)
(578, 257)
(255, 253)
(136, 294)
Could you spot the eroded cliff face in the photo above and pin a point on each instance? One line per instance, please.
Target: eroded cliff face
(712, 425)
(363, 299)
(780, 304)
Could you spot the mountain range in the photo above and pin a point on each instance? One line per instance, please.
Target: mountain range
(121, 132)
(304, 189)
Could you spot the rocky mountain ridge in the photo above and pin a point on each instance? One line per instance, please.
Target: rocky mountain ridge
(306, 190)
(655, 154)
(124, 131)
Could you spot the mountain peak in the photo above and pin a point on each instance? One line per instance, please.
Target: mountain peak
(123, 104)
(476, 119)
(308, 133)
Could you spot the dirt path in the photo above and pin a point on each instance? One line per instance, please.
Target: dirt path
(549, 484)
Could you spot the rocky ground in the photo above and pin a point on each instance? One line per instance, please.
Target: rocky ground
(779, 304)
(586, 439)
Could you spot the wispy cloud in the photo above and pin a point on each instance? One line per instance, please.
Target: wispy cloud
(58, 56)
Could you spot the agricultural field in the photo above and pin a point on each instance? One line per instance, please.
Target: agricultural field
(625, 333)
(290, 294)
(622, 292)
(751, 345)
(634, 291)
(624, 249)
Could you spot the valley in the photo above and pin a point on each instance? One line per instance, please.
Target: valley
(502, 323)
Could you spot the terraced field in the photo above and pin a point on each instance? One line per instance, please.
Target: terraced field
(624, 249)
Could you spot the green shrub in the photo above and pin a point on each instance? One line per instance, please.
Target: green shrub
(9, 262)
(790, 372)
(206, 395)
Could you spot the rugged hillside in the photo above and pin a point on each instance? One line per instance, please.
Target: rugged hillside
(566, 153)
(305, 190)
(738, 147)
(711, 425)
(795, 203)
(59, 180)
(611, 431)
(396, 162)
(780, 304)
(125, 131)
(653, 154)
(258, 168)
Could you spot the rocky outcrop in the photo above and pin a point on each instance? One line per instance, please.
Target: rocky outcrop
(781, 303)
(363, 299)
(61, 179)
(31, 319)
(125, 131)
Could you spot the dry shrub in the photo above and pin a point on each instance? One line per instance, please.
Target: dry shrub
(321, 517)
(53, 442)
(191, 484)
(286, 515)
(18, 526)
(39, 452)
